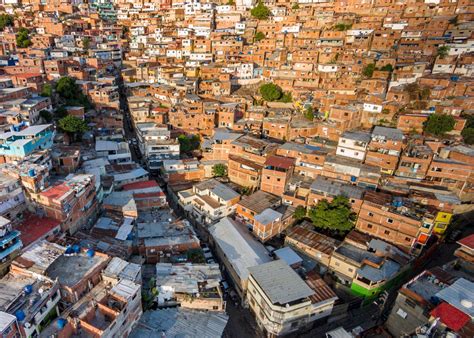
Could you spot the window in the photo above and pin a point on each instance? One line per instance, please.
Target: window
(389, 220)
(370, 226)
(370, 214)
(408, 239)
(386, 232)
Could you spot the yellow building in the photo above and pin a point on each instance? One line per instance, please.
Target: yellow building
(441, 222)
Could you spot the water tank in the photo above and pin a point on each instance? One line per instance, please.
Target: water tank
(397, 202)
(28, 289)
(31, 173)
(20, 315)
(68, 250)
(90, 253)
(76, 248)
(61, 323)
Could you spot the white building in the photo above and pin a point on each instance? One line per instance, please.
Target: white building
(282, 302)
(353, 144)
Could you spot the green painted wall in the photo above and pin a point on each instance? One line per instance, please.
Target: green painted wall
(360, 291)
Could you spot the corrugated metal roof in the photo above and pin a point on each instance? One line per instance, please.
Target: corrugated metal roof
(179, 323)
(241, 250)
(280, 283)
(455, 294)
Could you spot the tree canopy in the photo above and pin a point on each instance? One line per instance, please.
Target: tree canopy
(468, 131)
(335, 215)
(259, 36)
(443, 51)
(439, 124)
(23, 39)
(6, 20)
(271, 92)
(219, 170)
(300, 213)
(47, 90)
(46, 115)
(260, 11)
(188, 144)
(67, 87)
(73, 125)
(368, 70)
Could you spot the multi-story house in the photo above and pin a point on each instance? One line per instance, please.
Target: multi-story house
(115, 152)
(10, 244)
(353, 144)
(155, 144)
(276, 174)
(73, 202)
(264, 214)
(415, 161)
(110, 309)
(193, 286)
(280, 312)
(209, 201)
(16, 145)
(396, 220)
(385, 148)
(328, 189)
(32, 299)
(12, 198)
(415, 300)
(176, 171)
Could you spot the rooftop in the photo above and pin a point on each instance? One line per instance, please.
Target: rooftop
(287, 288)
(240, 248)
(305, 234)
(259, 201)
(70, 269)
(180, 322)
(460, 294)
(334, 188)
(34, 227)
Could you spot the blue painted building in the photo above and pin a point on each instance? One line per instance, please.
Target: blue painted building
(10, 244)
(17, 144)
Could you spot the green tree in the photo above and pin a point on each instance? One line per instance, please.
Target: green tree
(342, 26)
(74, 126)
(86, 43)
(335, 215)
(231, 2)
(259, 36)
(188, 144)
(46, 115)
(23, 39)
(60, 112)
(295, 6)
(286, 97)
(300, 213)
(439, 124)
(260, 12)
(47, 90)
(6, 20)
(368, 70)
(219, 170)
(67, 88)
(270, 92)
(442, 51)
(309, 113)
(468, 135)
(387, 68)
